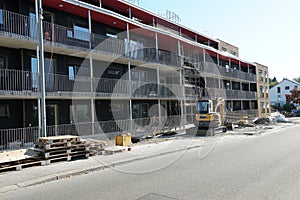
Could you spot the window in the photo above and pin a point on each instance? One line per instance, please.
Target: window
(4, 110)
(136, 48)
(2, 62)
(265, 74)
(71, 72)
(79, 32)
(111, 35)
(233, 53)
(140, 110)
(224, 49)
(287, 87)
(113, 72)
(80, 113)
(1, 16)
(278, 90)
(138, 76)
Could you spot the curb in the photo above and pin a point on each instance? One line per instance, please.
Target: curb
(72, 173)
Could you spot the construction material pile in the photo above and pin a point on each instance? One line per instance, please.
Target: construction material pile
(97, 147)
(61, 148)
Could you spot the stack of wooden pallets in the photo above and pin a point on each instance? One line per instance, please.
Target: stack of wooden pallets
(18, 159)
(60, 148)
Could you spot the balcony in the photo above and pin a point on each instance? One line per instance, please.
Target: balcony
(25, 83)
(212, 68)
(18, 83)
(153, 90)
(20, 27)
(226, 94)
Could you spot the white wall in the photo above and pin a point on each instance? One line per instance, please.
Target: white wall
(276, 97)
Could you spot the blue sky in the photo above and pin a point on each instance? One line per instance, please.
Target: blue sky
(266, 31)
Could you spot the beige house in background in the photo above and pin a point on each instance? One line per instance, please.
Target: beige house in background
(263, 92)
(229, 48)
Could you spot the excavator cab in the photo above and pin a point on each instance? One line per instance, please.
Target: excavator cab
(207, 117)
(205, 107)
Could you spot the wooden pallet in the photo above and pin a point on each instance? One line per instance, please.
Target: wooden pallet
(59, 139)
(65, 157)
(55, 147)
(20, 164)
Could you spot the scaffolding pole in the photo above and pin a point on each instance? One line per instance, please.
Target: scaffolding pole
(42, 67)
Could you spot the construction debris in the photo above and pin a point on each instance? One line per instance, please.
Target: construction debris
(115, 149)
(97, 147)
(262, 120)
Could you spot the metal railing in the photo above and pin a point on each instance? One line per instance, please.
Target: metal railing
(111, 87)
(227, 94)
(26, 137)
(21, 82)
(17, 26)
(26, 83)
(213, 68)
(18, 138)
(24, 27)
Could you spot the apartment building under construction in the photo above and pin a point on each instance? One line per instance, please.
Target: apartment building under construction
(109, 66)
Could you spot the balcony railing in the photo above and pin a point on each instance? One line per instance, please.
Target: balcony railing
(19, 82)
(17, 26)
(226, 94)
(23, 27)
(213, 68)
(26, 137)
(111, 87)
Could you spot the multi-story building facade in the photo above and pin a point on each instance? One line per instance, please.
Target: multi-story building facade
(109, 66)
(263, 94)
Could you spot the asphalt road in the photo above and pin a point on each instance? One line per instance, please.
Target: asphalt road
(258, 167)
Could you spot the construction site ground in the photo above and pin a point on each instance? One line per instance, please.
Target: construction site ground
(14, 180)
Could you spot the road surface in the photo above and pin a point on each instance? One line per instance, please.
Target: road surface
(258, 167)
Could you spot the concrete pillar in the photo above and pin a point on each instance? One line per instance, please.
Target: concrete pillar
(156, 46)
(158, 92)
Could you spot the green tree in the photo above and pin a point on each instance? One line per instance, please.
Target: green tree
(289, 107)
(273, 82)
(297, 79)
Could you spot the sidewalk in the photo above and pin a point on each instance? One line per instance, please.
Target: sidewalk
(13, 180)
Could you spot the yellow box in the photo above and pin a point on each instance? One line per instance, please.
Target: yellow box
(123, 140)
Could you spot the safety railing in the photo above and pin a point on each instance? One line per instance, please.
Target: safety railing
(111, 87)
(18, 138)
(17, 26)
(215, 93)
(19, 82)
(108, 45)
(26, 137)
(213, 68)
